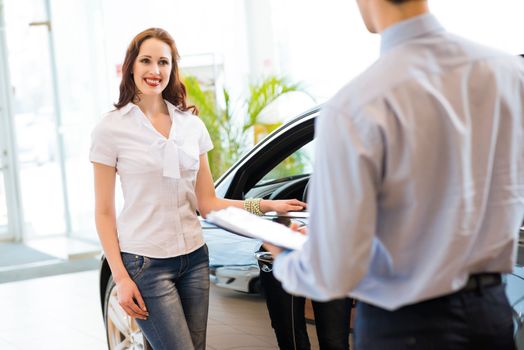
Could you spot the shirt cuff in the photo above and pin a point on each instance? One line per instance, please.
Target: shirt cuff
(206, 148)
(98, 158)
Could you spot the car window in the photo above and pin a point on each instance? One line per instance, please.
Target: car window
(298, 163)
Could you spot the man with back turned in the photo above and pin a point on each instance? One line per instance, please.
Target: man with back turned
(418, 189)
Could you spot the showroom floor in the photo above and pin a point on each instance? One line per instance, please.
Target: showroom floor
(63, 313)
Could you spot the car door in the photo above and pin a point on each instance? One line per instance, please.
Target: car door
(274, 169)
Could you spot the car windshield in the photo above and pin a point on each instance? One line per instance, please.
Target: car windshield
(298, 164)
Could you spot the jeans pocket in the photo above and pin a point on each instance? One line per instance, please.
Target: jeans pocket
(134, 264)
(201, 255)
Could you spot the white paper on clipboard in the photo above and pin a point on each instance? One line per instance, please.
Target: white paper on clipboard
(242, 223)
(291, 214)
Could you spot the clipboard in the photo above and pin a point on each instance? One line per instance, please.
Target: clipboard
(291, 214)
(240, 222)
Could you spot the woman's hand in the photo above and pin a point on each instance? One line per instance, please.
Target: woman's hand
(282, 205)
(130, 299)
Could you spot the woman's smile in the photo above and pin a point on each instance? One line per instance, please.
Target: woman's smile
(153, 82)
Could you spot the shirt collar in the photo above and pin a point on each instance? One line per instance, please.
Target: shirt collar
(130, 106)
(127, 108)
(407, 30)
(171, 108)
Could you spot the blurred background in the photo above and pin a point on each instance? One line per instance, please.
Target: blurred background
(60, 66)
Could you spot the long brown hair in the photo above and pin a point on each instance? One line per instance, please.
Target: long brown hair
(175, 91)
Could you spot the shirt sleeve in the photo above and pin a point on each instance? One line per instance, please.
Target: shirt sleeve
(204, 143)
(103, 148)
(343, 209)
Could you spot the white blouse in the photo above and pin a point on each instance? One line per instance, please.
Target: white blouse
(158, 178)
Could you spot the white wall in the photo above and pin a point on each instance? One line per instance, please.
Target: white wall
(498, 23)
(325, 44)
(198, 26)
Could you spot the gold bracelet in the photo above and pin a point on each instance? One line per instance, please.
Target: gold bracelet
(252, 205)
(256, 207)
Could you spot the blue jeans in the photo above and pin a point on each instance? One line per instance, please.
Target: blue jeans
(176, 294)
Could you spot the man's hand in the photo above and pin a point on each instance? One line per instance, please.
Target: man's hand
(274, 250)
(302, 228)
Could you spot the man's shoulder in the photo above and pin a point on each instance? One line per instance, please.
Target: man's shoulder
(366, 87)
(417, 62)
(476, 50)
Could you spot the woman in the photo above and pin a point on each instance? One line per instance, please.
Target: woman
(158, 146)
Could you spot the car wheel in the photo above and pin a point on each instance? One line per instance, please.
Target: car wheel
(121, 330)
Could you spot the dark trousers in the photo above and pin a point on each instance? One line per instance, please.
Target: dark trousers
(479, 319)
(287, 318)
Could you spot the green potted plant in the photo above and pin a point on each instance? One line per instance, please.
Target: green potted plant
(229, 135)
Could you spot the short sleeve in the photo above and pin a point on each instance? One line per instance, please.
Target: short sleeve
(204, 144)
(103, 148)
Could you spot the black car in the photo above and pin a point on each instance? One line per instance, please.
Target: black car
(279, 167)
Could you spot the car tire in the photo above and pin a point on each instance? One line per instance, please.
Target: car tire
(122, 331)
